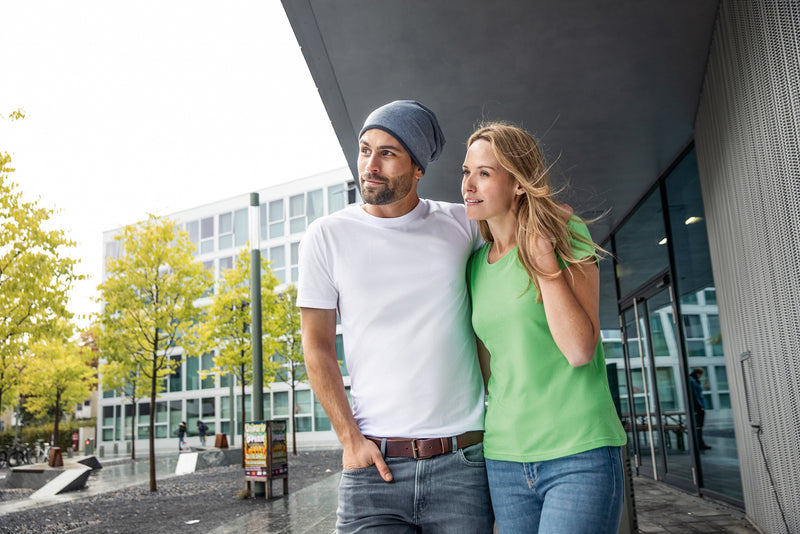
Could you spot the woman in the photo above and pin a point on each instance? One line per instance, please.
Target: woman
(553, 439)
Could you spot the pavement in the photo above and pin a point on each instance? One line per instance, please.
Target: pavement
(659, 508)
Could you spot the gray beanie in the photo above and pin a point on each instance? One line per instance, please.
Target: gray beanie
(414, 125)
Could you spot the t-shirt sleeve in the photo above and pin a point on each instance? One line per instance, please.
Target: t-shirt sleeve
(315, 286)
(579, 248)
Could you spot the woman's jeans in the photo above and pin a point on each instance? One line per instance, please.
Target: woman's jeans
(444, 494)
(581, 493)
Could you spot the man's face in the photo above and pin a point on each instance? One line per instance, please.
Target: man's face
(385, 170)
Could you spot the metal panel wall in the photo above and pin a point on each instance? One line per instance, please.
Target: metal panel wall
(747, 135)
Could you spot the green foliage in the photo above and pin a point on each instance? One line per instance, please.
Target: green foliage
(149, 303)
(29, 434)
(226, 325)
(287, 345)
(149, 297)
(35, 277)
(59, 374)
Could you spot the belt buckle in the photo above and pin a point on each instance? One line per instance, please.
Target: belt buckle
(415, 451)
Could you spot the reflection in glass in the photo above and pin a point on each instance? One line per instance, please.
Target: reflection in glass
(700, 318)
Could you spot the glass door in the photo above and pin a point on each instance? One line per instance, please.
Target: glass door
(659, 427)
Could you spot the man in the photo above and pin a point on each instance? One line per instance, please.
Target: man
(394, 269)
(698, 405)
(202, 429)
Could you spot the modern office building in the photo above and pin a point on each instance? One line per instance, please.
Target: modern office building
(219, 232)
(678, 125)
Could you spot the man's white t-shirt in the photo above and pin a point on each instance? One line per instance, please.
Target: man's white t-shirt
(399, 285)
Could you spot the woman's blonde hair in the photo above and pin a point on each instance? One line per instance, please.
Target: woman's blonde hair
(538, 211)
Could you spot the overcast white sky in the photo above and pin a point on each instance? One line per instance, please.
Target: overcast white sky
(153, 107)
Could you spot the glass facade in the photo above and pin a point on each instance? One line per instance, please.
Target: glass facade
(659, 321)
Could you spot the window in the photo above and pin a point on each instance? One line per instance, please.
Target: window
(304, 209)
(208, 414)
(192, 415)
(276, 218)
(162, 420)
(240, 227)
(695, 339)
(262, 222)
(225, 264)
(277, 257)
(321, 421)
(193, 229)
(225, 236)
(247, 408)
(209, 266)
(129, 420)
(302, 410)
(207, 363)
(175, 382)
(143, 421)
(280, 403)
(314, 207)
(175, 414)
(336, 198)
(192, 377)
(207, 235)
(108, 423)
(295, 260)
(297, 215)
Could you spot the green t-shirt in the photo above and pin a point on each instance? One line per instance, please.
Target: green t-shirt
(540, 407)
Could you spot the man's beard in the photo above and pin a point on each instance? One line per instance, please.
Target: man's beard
(388, 194)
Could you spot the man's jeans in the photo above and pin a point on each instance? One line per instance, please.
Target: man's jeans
(581, 493)
(447, 493)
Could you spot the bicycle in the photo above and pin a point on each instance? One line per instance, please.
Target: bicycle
(41, 451)
(12, 456)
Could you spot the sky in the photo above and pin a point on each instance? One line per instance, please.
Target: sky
(154, 107)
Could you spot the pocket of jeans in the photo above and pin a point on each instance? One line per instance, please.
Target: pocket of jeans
(473, 455)
(356, 471)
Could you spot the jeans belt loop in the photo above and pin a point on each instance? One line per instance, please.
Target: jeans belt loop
(455, 444)
(383, 447)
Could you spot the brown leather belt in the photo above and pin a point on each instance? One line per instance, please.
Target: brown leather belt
(421, 449)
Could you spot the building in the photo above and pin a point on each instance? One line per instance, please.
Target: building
(220, 231)
(679, 123)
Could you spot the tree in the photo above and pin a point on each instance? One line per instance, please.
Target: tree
(288, 347)
(226, 326)
(35, 276)
(149, 303)
(59, 374)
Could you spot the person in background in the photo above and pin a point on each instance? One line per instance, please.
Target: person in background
(698, 405)
(553, 439)
(393, 270)
(181, 435)
(202, 429)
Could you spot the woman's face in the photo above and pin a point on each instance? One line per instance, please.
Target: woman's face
(488, 189)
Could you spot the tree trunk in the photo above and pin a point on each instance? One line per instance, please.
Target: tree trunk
(58, 416)
(152, 441)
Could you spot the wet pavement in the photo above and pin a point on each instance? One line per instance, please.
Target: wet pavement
(117, 473)
(659, 508)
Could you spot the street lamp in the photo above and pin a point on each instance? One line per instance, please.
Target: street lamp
(259, 488)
